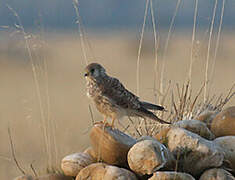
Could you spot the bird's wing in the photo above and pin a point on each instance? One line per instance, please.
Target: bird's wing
(113, 89)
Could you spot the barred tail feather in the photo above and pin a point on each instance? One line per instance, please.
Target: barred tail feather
(150, 106)
(142, 112)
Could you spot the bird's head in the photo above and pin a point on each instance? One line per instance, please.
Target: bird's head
(94, 71)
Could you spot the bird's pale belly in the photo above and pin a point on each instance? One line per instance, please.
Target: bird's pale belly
(107, 108)
(102, 103)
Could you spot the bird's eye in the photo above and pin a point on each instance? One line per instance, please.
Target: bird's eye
(92, 71)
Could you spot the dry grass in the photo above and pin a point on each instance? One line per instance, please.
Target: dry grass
(69, 106)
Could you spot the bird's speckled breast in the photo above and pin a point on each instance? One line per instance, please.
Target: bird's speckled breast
(102, 103)
(92, 89)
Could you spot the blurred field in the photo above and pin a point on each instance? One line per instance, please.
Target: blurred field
(68, 111)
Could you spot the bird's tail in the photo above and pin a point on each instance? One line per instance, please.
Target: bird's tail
(142, 112)
(150, 106)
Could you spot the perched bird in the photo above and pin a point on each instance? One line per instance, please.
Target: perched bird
(112, 99)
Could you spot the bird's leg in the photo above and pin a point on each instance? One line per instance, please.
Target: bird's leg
(105, 122)
(102, 122)
(105, 119)
(113, 119)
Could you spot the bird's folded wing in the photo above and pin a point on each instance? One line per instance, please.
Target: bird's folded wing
(119, 95)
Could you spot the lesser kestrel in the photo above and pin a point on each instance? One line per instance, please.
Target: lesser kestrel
(112, 99)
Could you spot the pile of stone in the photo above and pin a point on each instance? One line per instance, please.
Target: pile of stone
(202, 148)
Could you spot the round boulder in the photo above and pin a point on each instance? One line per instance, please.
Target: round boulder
(110, 145)
(206, 116)
(54, 176)
(195, 154)
(24, 177)
(148, 156)
(224, 123)
(171, 175)
(217, 174)
(73, 163)
(102, 171)
(197, 127)
(227, 144)
(90, 152)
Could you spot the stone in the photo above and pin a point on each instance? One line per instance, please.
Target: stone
(91, 153)
(171, 175)
(24, 177)
(224, 123)
(148, 156)
(206, 117)
(216, 174)
(110, 145)
(73, 163)
(227, 144)
(102, 171)
(196, 127)
(54, 176)
(194, 153)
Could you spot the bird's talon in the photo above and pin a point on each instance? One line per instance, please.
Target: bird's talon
(104, 123)
(99, 122)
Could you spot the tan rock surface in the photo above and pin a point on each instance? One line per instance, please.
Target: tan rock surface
(217, 174)
(194, 152)
(102, 171)
(110, 145)
(171, 175)
(207, 116)
(224, 123)
(73, 163)
(196, 127)
(24, 177)
(148, 156)
(227, 144)
(91, 152)
(54, 177)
